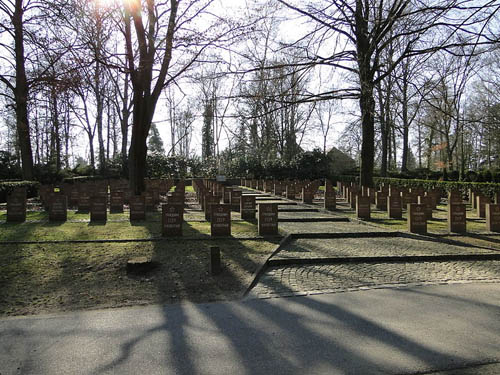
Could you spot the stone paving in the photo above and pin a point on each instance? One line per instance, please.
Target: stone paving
(345, 274)
(329, 278)
(372, 247)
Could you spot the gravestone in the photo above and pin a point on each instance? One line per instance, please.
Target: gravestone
(116, 201)
(352, 198)
(137, 207)
(247, 207)
(427, 202)
(98, 208)
(171, 219)
(210, 200)
(278, 189)
(149, 200)
(493, 217)
(84, 200)
(235, 199)
(497, 197)
(417, 222)
(268, 219)
(307, 195)
(227, 194)
(58, 207)
(16, 206)
(408, 198)
(220, 223)
(74, 195)
(481, 202)
(290, 191)
(363, 207)
(330, 201)
(381, 200)
(457, 220)
(394, 207)
(454, 197)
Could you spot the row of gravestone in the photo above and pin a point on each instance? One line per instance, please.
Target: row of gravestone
(218, 200)
(303, 190)
(92, 197)
(420, 205)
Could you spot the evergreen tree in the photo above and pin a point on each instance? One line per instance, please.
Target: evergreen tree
(155, 143)
(207, 135)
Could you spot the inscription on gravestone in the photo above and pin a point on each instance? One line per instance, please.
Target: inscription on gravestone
(220, 225)
(98, 208)
(493, 217)
(137, 207)
(171, 218)
(457, 222)
(268, 219)
(417, 222)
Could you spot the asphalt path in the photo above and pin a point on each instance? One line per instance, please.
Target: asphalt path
(383, 331)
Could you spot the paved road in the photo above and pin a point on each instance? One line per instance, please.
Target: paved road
(391, 331)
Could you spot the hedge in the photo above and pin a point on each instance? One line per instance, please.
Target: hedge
(7, 186)
(486, 188)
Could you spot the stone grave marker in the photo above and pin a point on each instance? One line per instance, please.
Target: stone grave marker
(220, 225)
(210, 200)
(394, 207)
(84, 200)
(497, 197)
(481, 202)
(330, 201)
(417, 222)
(492, 217)
(457, 220)
(227, 194)
(74, 196)
(408, 198)
(427, 202)
(98, 208)
(235, 198)
(278, 189)
(247, 207)
(454, 197)
(362, 207)
(352, 198)
(268, 219)
(171, 219)
(58, 207)
(307, 195)
(290, 191)
(149, 200)
(137, 207)
(381, 200)
(16, 206)
(116, 201)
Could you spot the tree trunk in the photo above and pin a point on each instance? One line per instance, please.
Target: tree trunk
(21, 94)
(124, 126)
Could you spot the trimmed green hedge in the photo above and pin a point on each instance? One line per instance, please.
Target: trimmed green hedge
(72, 180)
(486, 188)
(7, 186)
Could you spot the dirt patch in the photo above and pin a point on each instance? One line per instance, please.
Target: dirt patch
(61, 277)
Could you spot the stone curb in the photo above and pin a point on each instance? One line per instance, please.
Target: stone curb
(384, 259)
(260, 271)
(368, 287)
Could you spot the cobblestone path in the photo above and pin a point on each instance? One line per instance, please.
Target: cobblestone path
(330, 278)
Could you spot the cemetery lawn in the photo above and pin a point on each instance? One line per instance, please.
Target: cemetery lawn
(41, 278)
